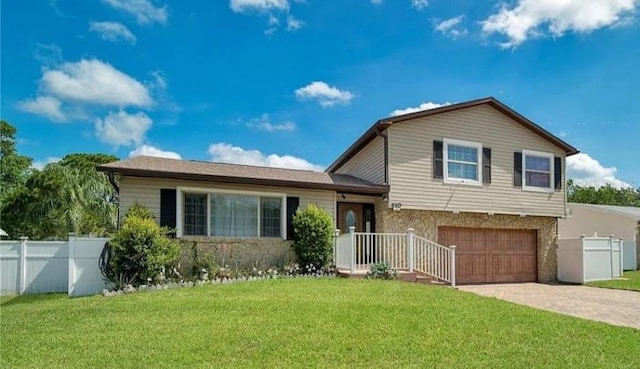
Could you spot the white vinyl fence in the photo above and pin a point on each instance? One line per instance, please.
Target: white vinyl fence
(587, 259)
(51, 266)
(629, 258)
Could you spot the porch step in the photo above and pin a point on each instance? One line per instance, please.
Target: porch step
(403, 275)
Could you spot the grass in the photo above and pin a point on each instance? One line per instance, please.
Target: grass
(332, 323)
(631, 282)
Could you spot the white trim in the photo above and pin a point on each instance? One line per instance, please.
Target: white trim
(445, 162)
(181, 190)
(539, 154)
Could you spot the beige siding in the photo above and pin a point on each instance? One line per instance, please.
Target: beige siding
(146, 191)
(367, 164)
(410, 165)
(588, 221)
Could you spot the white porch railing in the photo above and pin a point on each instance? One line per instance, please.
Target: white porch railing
(435, 260)
(356, 251)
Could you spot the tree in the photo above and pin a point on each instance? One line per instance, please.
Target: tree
(604, 195)
(14, 168)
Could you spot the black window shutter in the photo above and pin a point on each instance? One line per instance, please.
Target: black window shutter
(486, 165)
(292, 207)
(437, 160)
(557, 175)
(168, 207)
(517, 169)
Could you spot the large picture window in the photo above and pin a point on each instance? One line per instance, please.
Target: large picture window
(538, 169)
(462, 161)
(221, 214)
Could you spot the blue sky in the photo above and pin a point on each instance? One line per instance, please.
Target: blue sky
(293, 83)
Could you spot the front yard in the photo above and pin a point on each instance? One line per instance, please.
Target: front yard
(630, 281)
(304, 323)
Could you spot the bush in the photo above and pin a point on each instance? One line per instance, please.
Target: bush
(381, 271)
(138, 210)
(313, 240)
(139, 251)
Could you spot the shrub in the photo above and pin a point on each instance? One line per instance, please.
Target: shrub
(139, 251)
(381, 271)
(138, 210)
(313, 238)
(204, 264)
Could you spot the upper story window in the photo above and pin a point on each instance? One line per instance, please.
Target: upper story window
(462, 161)
(538, 171)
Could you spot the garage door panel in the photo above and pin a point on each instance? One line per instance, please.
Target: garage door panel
(473, 268)
(492, 255)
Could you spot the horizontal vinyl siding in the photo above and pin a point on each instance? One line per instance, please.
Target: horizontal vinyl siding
(368, 163)
(146, 191)
(411, 164)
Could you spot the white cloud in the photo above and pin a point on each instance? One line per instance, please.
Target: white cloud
(273, 20)
(46, 106)
(145, 11)
(122, 128)
(413, 109)
(325, 94)
(92, 81)
(112, 31)
(40, 164)
(240, 6)
(294, 24)
(535, 18)
(263, 124)
(148, 150)
(419, 4)
(449, 27)
(226, 153)
(587, 171)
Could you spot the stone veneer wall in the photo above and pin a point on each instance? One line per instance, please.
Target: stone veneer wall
(238, 253)
(426, 223)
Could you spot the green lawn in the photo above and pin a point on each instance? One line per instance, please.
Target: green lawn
(303, 323)
(631, 282)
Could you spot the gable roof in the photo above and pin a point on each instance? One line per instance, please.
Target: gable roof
(629, 211)
(154, 167)
(383, 124)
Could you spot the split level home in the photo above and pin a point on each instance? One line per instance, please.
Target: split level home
(475, 177)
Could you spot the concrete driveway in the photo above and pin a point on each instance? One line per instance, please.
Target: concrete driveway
(615, 307)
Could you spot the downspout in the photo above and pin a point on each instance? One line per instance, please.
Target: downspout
(115, 186)
(385, 137)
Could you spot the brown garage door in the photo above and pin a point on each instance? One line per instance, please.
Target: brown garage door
(492, 255)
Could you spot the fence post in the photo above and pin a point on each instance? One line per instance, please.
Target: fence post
(23, 264)
(410, 249)
(352, 249)
(453, 265)
(71, 282)
(336, 234)
(611, 252)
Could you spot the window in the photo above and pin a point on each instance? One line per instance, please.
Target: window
(234, 215)
(195, 214)
(538, 169)
(222, 214)
(271, 210)
(463, 161)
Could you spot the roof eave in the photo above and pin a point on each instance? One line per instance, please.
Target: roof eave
(373, 189)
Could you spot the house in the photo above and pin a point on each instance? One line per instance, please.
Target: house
(620, 221)
(476, 175)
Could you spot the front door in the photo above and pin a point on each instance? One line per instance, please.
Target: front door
(361, 216)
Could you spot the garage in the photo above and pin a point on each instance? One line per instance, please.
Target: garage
(492, 255)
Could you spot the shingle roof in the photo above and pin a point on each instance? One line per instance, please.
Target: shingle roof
(632, 211)
(147, 166)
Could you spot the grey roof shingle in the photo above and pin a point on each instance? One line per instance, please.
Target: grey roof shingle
(148, 166)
